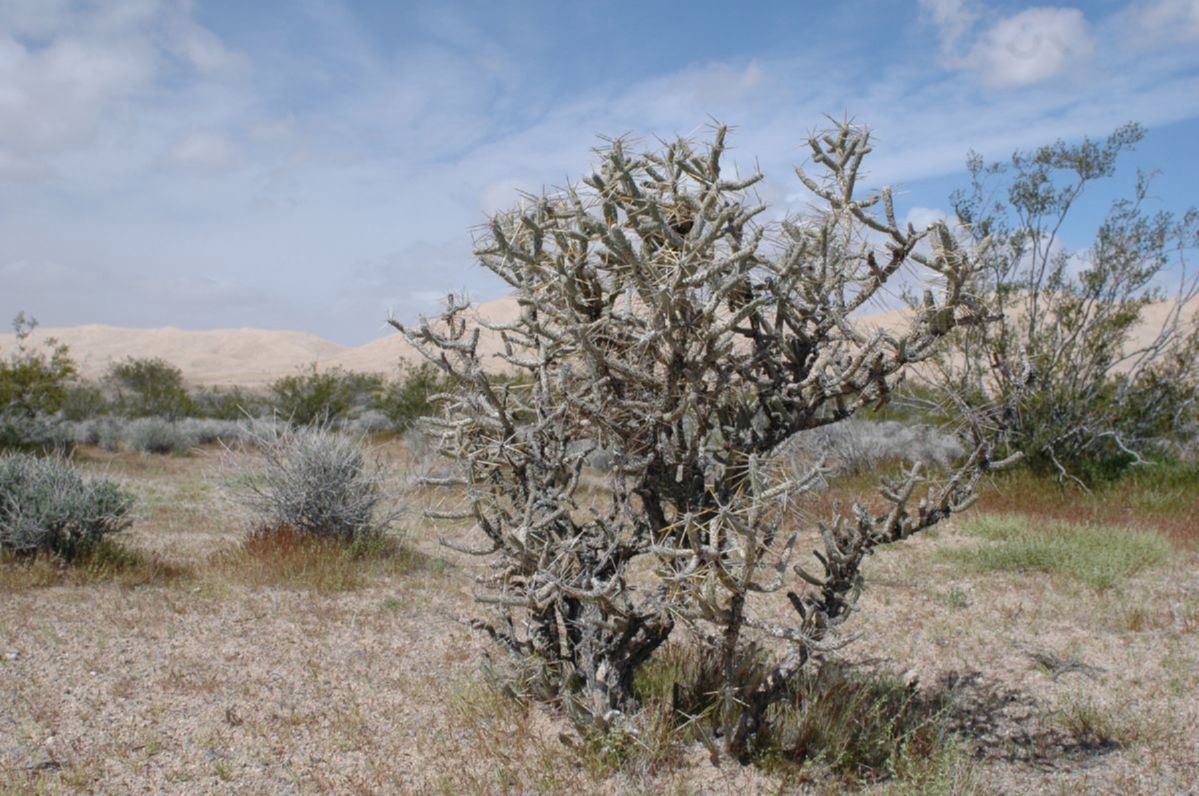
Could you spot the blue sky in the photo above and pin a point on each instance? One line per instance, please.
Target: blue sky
(318, 165)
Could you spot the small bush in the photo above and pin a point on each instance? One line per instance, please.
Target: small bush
(35, 434)
(205, 431)
(318, 482)
(155, 435)
(46, 506)
(1098, 555)
(107, 432)
(854, 447)
(371, 421)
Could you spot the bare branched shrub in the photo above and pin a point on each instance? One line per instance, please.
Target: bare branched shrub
(47, 506)
(663, 323)
(314, 481)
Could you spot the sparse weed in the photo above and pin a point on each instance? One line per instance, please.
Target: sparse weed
(1095, 725)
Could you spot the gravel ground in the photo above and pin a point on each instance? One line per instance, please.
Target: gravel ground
(209, 685)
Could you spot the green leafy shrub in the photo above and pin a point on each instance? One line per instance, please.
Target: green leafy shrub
(315, 396)
(47, 506)
(149, 388)
(408, 398)
(32, 382)
(83, 401)
(1094, 400)
(33, 386)
(226, 403)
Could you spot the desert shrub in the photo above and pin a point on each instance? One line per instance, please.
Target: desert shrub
(315, 481)
(45, 434)
(149, 387)
(316, 396)
(205, 431)
(371, 421)
(47, 506)
(156, 435)
(107, 432)
(33, 386)
(857, 446)
(34, 382)
(407, 398)
(1095, 401)
(662, 322)
(226, 403)
(83, 401)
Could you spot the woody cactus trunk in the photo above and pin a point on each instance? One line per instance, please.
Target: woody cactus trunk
(662, 322)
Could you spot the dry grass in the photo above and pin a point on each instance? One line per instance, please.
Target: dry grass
(190, 659)
(286, 558)
(106, 562)
(1160, 497)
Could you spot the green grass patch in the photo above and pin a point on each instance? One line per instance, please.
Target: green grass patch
(1098, 555)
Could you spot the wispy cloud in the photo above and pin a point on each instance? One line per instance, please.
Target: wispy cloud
(332, 170)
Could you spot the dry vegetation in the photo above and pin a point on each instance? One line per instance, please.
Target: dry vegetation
(183, 658)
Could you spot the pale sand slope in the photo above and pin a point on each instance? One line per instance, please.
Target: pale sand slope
(255, 357)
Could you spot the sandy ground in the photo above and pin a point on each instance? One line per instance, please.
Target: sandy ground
(209, 685)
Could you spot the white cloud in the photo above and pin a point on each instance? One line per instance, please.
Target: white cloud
(922, 218)
(1024, 49)
(953, 20)
(53, 97)
(1032, 46)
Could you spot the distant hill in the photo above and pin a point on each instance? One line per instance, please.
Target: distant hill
(246, 357)
(256, 357)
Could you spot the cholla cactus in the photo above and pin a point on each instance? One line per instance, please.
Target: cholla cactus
(663, 323)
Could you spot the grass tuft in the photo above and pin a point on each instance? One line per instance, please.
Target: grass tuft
(1099, 555)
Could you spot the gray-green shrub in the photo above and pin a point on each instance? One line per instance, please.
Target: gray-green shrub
(47, 506)
(155, 435)
(314, 480)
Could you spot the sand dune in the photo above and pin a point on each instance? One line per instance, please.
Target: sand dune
(255, 357)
